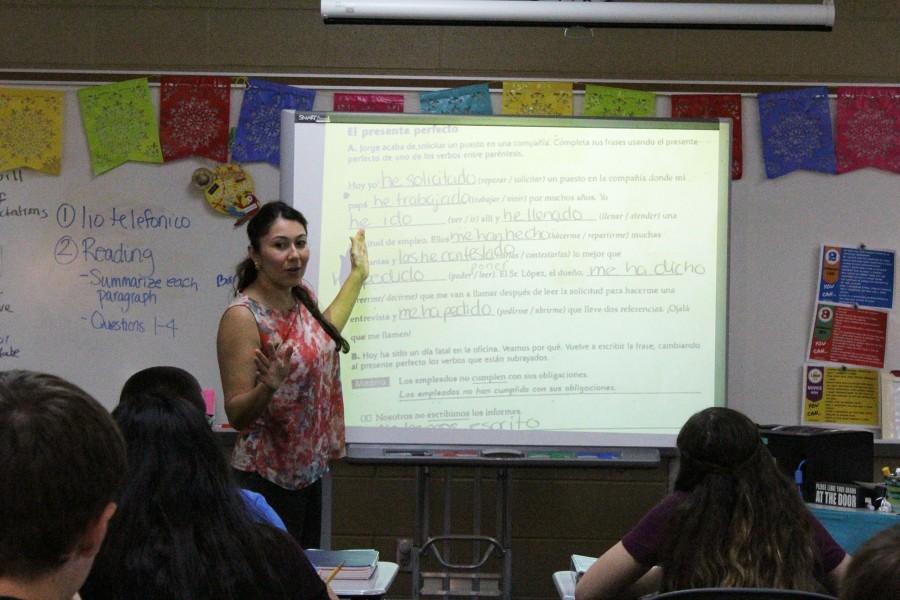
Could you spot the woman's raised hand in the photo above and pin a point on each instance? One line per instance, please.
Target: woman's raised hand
(272, 370)
(359, 255)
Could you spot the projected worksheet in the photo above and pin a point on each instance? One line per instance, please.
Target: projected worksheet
(529, 278)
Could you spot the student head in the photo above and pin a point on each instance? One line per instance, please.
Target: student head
(173, 456)
(720, 443)
(182, 529)
(743, 523)
(257, 228)
(874, 571)
(166, 382)
(62, 461)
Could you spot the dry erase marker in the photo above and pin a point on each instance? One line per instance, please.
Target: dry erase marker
(407, 452)
(599, 455)
(550, 454)
(457, 453)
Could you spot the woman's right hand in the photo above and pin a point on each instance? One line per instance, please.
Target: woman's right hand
(359, 255)
(271, 371)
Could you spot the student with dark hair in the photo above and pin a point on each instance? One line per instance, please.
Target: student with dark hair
(178, 384)
(734, 520)
(183, 531)
(163, 382)
(61, 462)
(874, 573)
(279, 363)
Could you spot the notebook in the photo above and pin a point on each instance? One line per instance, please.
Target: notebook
(355, 564)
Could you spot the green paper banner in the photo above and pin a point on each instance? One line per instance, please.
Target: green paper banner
(603, 101)
(120, 123)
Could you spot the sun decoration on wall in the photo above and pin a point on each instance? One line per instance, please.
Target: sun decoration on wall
(228, 189)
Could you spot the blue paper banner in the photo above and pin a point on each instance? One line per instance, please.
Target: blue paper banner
(468, 100)
(796, 131)
(257, 138)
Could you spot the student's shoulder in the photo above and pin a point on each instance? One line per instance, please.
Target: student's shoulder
(261, 509)
(671, 502)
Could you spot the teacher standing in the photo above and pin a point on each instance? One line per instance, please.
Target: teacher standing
(280, 368)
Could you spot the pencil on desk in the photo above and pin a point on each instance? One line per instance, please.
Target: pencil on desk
(334, 573)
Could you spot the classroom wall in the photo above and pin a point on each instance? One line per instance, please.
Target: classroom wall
(288, 36)
(555, 512)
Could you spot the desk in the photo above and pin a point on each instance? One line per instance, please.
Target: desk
(565, 584)
(375, 586)
(850, 527)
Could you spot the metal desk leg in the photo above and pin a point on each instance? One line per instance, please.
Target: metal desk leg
(420, 532)
(504, 525)
(423, 542)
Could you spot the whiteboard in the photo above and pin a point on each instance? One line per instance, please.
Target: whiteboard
(103, 276)
(777, 227)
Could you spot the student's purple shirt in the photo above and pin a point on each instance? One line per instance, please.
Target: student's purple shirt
(645, 539)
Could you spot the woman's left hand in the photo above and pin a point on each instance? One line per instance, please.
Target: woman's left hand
(359, 255)
(273, 367)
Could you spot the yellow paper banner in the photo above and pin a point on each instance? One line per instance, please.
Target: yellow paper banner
(537, 98)
(31, 130)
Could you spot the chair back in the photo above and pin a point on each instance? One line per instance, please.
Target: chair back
(741, 594)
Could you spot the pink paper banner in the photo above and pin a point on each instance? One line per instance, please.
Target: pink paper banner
(389, 103)
(868, 128)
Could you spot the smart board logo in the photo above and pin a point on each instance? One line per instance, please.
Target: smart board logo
(310, 118)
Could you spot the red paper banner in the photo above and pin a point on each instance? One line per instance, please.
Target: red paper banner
(390, 103)
(714, 106)
(193, 117)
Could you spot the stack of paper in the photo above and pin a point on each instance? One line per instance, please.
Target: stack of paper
(354, 564)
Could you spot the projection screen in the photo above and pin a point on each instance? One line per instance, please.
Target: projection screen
(534, 281)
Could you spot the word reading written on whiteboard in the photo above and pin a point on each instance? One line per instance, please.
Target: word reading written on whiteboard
(69, 215)
(7, 348)
(68, 250)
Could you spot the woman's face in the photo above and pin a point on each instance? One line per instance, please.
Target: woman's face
(283, 254)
